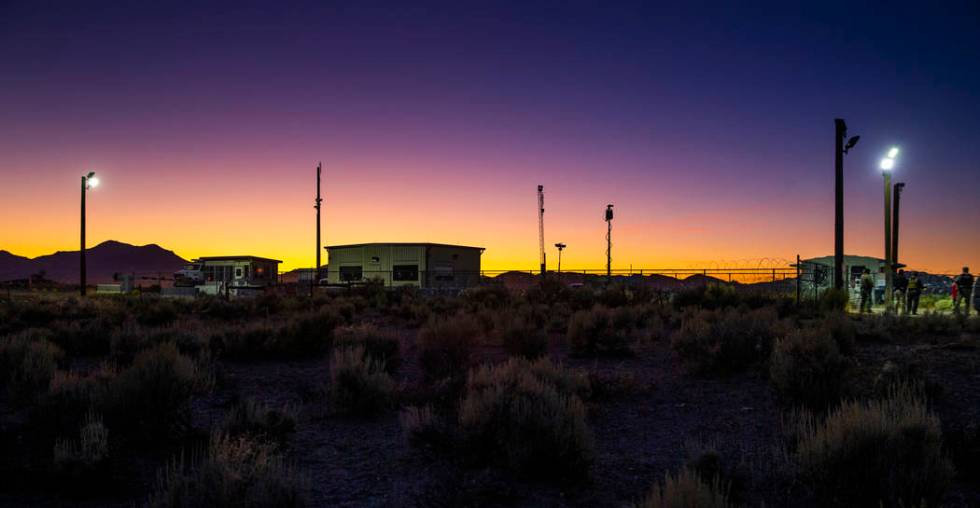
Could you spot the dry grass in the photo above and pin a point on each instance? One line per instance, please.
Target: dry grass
(235, 472)
(359, 384)
(727, 340)
(526, 417)
(883, 451)
(602, 331)
(445, 346)
(378, 344)
(27, 363)
(807, 368)
(686, 490)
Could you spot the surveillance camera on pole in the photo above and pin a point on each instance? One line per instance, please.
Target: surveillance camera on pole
(840, 148)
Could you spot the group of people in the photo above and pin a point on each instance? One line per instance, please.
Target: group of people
(908, 289)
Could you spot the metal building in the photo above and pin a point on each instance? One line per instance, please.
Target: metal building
(424, 265)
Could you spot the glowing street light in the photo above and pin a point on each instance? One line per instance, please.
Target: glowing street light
(887, 165)
(89, 181)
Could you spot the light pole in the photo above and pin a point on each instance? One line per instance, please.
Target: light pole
(840, 149)
(560, 246)
(887, 164)
(89, 181)
(609, 219)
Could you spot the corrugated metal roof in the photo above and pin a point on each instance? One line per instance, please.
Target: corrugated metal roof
(403, 244)
(234, 258)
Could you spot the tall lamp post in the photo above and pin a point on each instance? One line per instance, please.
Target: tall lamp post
(840, 149)
(887, 164)
(89, 181)
(560, 246)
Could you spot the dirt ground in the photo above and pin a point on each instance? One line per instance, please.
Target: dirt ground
(640, 433)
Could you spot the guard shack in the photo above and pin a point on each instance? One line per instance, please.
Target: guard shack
(423, 265)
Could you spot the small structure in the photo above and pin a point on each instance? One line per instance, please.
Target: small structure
(240, 275)
(424, 265)
(817, 274)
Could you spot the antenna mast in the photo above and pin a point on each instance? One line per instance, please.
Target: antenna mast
(316, 271)
(609, 218)
(541, 228)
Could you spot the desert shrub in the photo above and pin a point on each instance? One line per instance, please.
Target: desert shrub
(255, 419)
(308, 334)
(359, 384)
(151, 398)
(579, 298)
(85, 456)
(491, 296)
(381, 345)
(515, 415)
(806, 367)
(708, 296)
(235, 472)
(251, 341)
(898, 374)
(446, 346)
(131, 338)
(687, 490)
(613, 295)
(611, 384)
(521, 336)
(602, 331)
(155, 312)
(841, 328)
(883, 451)
(70, 397)
(422, 427)
(725, 341)
(27, 363)
(83, 336)
(833, 300)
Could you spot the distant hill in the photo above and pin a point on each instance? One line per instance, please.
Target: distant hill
(102, 261)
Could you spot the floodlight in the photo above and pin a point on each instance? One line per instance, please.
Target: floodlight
(893, 152)
(92, 181)
(887, 164)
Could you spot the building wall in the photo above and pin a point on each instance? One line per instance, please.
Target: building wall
(405, 265)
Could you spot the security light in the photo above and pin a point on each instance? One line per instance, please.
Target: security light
(887, 164)
(850, 143)
(893, 152)
(93, 181)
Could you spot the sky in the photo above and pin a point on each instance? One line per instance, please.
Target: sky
(708, 126)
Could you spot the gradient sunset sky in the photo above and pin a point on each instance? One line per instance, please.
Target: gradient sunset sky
(709, 127)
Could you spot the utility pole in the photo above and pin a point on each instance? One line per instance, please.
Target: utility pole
(840, 133)
(609, 218)
(899, 187)
(81, 249)
(888, 239)
(316, 270)
(541, 229)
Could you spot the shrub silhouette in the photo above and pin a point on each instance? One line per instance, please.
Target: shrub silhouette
(725, 341)
(151, 398)
(602, 331)
(807, 368)
(255, 419)
(380, 345)
(234, 472)
(521, 336)
(527, 417)
(883, 451)
(27, 363)
(359, 384)
(446, 346)
(687, 490)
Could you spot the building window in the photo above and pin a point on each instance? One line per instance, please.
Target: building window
(238, 272)
(351, 273)
(405, 273)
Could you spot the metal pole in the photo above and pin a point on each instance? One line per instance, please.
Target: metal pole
(840, 131)
(899, 187)
(81, 250)
(888, 239)
(797, 279)
(316, 270)
(541, 228)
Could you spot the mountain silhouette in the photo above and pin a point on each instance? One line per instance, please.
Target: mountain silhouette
(102, 261)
